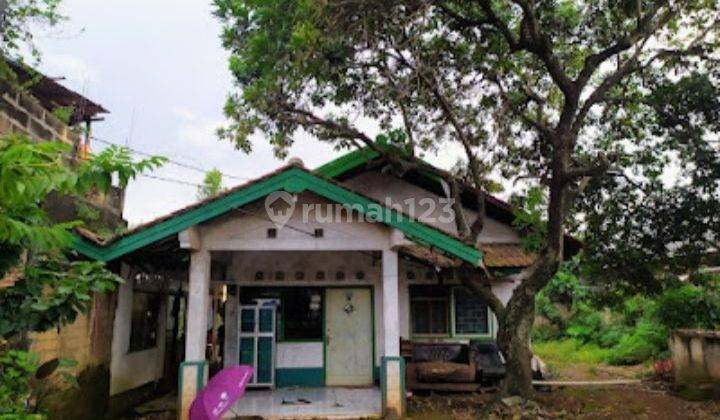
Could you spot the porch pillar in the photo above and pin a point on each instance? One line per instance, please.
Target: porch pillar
(392, 367)
(194, 370)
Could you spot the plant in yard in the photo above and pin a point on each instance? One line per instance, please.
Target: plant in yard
(43, 287)
(562, 95)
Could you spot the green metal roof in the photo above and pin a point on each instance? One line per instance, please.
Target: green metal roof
(293, 180)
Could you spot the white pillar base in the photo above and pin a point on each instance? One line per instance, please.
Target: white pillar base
(192, 377)
(392, 386)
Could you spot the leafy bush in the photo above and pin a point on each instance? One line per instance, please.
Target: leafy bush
(688, 306)
(612, 335)
(586, 325)
(646, 341)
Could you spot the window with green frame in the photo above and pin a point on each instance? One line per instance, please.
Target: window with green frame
(471, 315)
(448, 311)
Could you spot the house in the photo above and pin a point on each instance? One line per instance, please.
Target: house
(315, 276)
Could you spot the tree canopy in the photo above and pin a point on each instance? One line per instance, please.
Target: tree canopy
(567, 97)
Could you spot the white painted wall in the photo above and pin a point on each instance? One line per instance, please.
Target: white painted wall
(299, 355)
(247, 230)
(380, 186)
(131, 370)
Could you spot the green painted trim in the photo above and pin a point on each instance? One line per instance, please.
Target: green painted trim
(453, 325)
(347, 162)
(293, 179)
(383, 381)
(200, 366)
(306, 377)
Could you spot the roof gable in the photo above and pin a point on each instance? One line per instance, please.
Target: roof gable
(294, 180)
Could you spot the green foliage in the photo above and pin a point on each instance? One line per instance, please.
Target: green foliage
(16, 369)
(51, 289)
(529, 218)
(16, 31)
(586, 325)
(212, 184)
(30, 171)
(647, 340)
(64, 113)
(689, 306)
(633, 331)
(569, 351)
(51, 293)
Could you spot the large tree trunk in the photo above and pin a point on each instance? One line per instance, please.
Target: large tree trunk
(516, 321)
(514, 341)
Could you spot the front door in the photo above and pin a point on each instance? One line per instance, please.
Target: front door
(348, 337)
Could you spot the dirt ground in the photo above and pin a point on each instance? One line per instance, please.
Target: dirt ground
(643, 401)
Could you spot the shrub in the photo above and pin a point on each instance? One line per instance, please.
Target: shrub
(586, 324)
(646, 341)
(688, 306)
(612, 335)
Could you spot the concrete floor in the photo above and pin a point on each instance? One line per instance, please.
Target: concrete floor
(326, 403)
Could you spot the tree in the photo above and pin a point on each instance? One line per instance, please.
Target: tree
(555, 93)
(212, 184)
(44, 286)
(18, 18)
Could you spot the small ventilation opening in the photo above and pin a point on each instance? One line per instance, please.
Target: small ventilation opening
(272, 233)
(319, 233)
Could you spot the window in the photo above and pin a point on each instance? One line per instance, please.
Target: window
(471, 313)
(429, 310)
(144, 320)
(300, 314)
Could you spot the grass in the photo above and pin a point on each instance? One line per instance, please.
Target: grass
(561, 352)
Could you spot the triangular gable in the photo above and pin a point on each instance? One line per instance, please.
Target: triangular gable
(294, 180)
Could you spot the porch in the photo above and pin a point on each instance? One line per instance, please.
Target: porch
(293, 402)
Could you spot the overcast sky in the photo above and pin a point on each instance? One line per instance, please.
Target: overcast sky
(160, 70)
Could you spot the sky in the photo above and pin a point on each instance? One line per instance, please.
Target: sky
(160, 70)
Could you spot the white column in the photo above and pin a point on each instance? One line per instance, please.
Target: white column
(391, 315)
(198, 303)
(194, 371)
(392, 367)
(231, 354)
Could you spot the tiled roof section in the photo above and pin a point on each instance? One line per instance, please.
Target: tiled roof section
(506, 256)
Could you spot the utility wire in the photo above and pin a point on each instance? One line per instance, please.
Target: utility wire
(174, 162)
(176, 181)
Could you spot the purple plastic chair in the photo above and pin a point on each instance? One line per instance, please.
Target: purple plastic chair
(221, 392)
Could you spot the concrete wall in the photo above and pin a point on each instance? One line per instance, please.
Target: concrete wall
(695, 356)
(131, 370)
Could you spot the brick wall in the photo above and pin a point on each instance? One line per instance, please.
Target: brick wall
(87, 340)
(21, 113)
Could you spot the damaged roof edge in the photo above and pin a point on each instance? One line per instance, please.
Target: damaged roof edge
(292, 179)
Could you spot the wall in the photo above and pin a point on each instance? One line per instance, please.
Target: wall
(131, 370)
(381, 186)
(21, 113)
(696, 356)
(87, 341)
